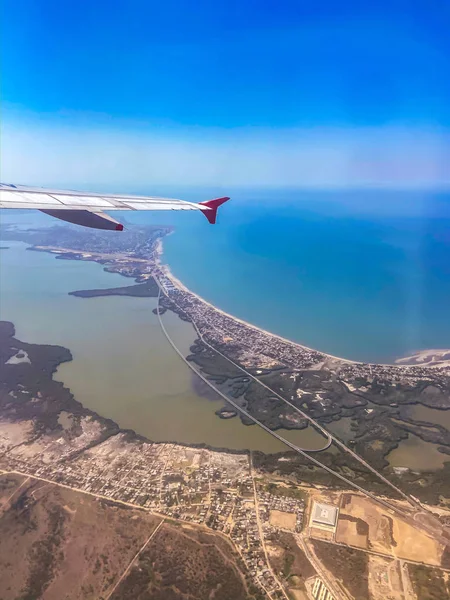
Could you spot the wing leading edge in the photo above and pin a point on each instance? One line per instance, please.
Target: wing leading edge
(88, 209)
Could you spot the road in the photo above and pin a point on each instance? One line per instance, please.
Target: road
(313, 422)
(406, 561)
(226, 398)
(111, 499)
(329, 436)
(124, 503)
(304, 453)
(325, 576)
(260, 529)
(124, 574)
(433, 531)
(6, 502)
(408, 590)
(301, 451)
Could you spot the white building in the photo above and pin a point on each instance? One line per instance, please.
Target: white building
(324, 516)
(320, 591)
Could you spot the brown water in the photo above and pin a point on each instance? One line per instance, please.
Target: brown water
(417, 455)
(341, 429)
(123, 367)
(431, 415)
(65, 419)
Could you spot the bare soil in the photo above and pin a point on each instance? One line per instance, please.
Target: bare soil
(58, 544)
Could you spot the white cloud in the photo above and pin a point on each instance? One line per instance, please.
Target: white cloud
(62, 153)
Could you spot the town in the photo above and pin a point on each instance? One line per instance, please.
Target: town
(221, 491)
(214, 489)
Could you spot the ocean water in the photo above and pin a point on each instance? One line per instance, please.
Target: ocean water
(363, 275)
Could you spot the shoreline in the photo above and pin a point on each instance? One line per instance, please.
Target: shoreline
(165, 267)
(168, 272)
(66, 400)
(435, 359)
(399, 362)
(96, 257)
(255, 327)
(426, 358)
(405, 362)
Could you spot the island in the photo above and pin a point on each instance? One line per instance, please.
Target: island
(149, 289)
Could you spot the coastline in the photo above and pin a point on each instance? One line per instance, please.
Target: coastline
(186, 414)
(157, 259)
(405, 362)
(116, 465)
(426, 358)
(165, 268)
(146, 263)
(178, 283)
(402, 361)
(50, 357)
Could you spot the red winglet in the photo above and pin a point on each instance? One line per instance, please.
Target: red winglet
(213, 205)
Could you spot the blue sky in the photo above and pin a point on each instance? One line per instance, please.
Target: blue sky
(245, 93)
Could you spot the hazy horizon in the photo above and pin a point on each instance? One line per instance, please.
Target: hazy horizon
(163, 95)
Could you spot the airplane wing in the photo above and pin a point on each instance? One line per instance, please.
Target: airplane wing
(88, 209)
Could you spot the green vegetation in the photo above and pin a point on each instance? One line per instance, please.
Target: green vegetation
(286, 492)
(141, 290)
(184, 564)
(45, 556)
(8, 483)
(288, 562)
(217, 367)
(428, 583)
(349, 565)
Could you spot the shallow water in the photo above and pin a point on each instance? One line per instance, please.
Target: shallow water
(417, 455)
(430, 415)
(123, 367)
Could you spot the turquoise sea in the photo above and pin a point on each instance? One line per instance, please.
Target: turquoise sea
(364, 274)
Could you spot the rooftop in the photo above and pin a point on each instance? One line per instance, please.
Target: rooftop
(324, 514)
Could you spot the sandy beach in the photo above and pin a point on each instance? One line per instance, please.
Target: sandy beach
(429, 358)
(179, 284)
(426, 358)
